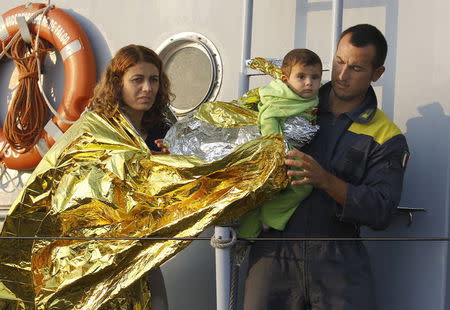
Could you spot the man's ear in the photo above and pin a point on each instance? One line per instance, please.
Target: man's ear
(284, 78)
(377, 73)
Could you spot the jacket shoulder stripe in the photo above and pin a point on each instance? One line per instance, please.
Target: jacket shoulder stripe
(380, 128)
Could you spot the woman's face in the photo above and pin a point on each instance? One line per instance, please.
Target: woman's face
(140, 86)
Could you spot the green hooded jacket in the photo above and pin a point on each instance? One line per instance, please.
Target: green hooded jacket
(278, 102)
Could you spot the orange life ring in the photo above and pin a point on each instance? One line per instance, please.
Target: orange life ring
(67, 36)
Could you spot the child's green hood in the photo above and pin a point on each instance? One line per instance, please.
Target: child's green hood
(279, 102)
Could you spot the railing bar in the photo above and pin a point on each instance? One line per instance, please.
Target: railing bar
(244, 239)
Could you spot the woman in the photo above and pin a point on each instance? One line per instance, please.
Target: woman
(99, 188)
(135, 84)
(95, 182)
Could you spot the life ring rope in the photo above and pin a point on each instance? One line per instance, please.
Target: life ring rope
(17, 34)
(27, 112)
(16, 37)
(40, 81)
(69, 39)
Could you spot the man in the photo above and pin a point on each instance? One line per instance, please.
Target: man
(356, 165)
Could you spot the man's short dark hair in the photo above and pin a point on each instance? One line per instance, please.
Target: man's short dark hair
(365, 34)
(303, 56)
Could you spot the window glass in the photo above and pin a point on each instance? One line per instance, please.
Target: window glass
(190, 72)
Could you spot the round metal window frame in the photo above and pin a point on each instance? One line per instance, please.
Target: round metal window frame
(183, 40)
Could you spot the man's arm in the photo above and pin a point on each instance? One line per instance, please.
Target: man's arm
(372, 201)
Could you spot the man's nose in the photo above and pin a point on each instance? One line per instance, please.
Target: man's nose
(343, 75)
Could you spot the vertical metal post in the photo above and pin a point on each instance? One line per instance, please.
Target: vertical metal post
(223, 266)
(246, 45)
(223, 269)
(336, 27)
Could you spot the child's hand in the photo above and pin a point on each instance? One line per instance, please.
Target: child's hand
(164, 149)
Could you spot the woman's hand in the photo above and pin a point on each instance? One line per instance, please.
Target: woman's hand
(164, 149)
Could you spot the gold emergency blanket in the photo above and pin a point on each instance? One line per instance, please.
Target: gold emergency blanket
(226, 114)
(265, 67)
(100, 180)
(251, 98)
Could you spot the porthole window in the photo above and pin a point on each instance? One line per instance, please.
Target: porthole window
(194, 68)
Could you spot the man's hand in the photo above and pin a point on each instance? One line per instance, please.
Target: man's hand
(164, 149)
(313, 173)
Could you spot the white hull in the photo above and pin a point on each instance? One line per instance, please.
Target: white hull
(413, 92)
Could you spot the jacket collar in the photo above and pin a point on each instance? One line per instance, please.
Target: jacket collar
(361, 114)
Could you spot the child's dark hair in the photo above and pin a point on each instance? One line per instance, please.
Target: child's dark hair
(303, 56)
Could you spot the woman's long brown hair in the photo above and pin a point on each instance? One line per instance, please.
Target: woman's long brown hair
(107, 97)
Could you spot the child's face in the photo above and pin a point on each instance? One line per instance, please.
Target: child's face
(304, 80)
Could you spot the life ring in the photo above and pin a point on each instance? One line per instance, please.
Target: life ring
(67, 36)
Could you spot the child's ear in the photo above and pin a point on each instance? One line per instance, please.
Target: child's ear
(284, 78)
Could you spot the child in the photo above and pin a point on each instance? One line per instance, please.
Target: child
(294, 95)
